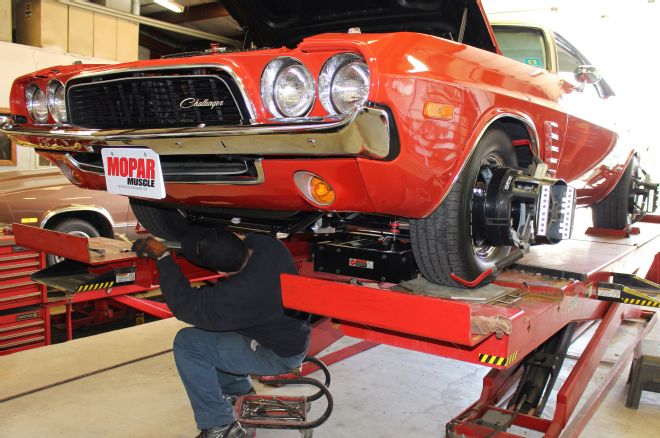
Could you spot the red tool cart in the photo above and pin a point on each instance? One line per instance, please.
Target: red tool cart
(24, 323)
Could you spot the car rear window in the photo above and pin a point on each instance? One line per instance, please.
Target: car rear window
(524, 45)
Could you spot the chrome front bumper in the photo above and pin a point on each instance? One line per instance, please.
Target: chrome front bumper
(366, 131)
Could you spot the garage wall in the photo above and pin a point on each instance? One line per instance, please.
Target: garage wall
(621, 38)
(17, 60)
(5, 20)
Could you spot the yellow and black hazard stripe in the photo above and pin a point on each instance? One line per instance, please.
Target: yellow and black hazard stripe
(95, 286)
(498, 360)
(642, 302)
(627, 295)
(633, 296)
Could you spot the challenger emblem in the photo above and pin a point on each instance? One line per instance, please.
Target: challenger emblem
(192, 102)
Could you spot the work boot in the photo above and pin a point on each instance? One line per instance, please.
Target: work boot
(232, 430)
(234, 397)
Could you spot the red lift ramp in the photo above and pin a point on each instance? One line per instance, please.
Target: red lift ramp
(529, 318)
(95, 265)
(93, 251)
(97, 269)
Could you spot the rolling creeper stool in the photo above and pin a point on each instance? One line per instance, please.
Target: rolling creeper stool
(644, 372)
(285, 412)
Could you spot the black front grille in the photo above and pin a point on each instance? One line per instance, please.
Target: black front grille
(188, 168)
(182, 100)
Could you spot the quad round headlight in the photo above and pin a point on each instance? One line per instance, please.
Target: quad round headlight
(287, 88)
(344, 83)
(56, 101)
(37, 106)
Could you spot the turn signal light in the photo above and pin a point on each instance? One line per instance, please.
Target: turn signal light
(433, 110)
(321, 191)
(315, 188)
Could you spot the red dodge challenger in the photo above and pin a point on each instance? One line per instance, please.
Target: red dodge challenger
(403, 123)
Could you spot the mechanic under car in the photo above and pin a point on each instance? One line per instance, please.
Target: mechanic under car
(240, 327)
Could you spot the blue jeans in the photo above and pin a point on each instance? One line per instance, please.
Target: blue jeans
(215, 363)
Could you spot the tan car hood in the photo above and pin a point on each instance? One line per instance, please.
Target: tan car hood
(12, 182)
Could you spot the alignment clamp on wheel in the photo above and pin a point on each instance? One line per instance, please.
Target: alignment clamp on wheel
(519, 210)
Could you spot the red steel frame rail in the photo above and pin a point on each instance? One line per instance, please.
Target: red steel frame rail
(538, 305)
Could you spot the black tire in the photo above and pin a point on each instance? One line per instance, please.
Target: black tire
(77, 227)
(166, 223)
(443, 242)
(617, 210)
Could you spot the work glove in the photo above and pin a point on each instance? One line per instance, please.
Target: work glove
(149, 247)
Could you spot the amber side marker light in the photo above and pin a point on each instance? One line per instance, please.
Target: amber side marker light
(433, 110)
(314, 188)
(29, 220)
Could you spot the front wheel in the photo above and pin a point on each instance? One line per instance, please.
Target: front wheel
(621, 207)
(448, 241)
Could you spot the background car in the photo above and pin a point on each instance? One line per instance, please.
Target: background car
(46, 198)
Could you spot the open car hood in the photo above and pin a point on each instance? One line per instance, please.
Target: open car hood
(274, 23)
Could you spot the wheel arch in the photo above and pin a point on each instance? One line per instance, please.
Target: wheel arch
(518, 127)
(97, 216)
(631, 156)
(522, 131)
(590, 194)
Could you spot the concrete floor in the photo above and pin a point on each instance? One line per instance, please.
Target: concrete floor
(384, 392)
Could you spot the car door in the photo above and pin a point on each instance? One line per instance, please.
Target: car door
(592, 116)
(533, 46)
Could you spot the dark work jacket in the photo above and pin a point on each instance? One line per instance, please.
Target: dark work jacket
(249, 303)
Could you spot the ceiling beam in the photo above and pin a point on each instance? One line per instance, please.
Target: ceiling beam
(171, 27)
(193, 13)
(157, 45)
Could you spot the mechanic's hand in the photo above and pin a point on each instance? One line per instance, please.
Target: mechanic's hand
(149, 247)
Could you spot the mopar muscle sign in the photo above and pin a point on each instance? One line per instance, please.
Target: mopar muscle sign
(133, 172)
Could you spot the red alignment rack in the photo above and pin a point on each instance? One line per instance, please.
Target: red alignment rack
(548, 289)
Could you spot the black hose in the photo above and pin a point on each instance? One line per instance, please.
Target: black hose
(323, 391)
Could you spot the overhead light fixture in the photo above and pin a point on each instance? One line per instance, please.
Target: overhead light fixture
(171, 5)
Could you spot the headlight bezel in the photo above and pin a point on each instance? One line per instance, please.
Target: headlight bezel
(32, 91)
(328, 75)
(269, 81)
(52, 89)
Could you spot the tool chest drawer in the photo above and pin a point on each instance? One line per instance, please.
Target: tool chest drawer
(17, 264)
(22, 328)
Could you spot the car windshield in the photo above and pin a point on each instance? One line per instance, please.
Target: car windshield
(522, 44)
